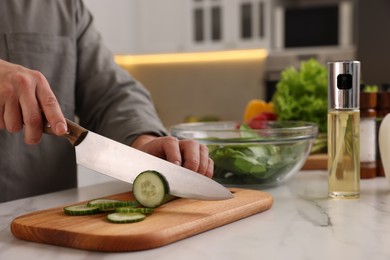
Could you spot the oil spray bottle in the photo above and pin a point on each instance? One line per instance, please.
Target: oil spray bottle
(344, 129)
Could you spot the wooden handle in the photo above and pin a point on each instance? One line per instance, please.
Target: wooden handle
(75, 133)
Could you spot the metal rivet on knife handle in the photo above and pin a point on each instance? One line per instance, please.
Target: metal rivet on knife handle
(75, 133)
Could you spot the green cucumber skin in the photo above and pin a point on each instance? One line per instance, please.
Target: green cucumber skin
(80, 210)
(168, 198)
(134, 210)
(149, 191)
(125, 217)
(110, 204)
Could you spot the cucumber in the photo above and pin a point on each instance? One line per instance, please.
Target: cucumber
(111, 204)
(151, 189)
(81, 210)
(134, 210)
(118, 217)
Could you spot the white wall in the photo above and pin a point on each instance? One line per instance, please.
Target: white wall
(118, 33)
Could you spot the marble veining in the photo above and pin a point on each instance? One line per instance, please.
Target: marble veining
(314, 213)
(302, 224)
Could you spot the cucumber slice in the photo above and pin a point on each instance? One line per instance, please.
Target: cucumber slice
(81, 210)
(118, 217)
(151, 189)
(134, 210)
(111, 204)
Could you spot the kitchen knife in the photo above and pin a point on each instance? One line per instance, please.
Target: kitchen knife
(124, 163)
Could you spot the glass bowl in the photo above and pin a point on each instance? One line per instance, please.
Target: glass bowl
(253, 158)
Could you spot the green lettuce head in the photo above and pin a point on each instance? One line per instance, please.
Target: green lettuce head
(303, 94)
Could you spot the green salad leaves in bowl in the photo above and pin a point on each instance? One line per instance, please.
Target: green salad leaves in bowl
(248, 157)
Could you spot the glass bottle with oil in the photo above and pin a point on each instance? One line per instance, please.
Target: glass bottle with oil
(344, 129)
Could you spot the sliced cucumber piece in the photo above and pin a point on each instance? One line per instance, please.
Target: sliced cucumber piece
(118, 217)
(151, 189)
(80, 210)
(111, 204)
(135, 210)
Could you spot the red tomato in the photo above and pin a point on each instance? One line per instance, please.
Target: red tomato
(257, 124)
(260, 121)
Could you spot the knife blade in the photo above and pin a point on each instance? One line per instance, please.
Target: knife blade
(124, 163)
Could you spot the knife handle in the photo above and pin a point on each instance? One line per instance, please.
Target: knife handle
(75, 133)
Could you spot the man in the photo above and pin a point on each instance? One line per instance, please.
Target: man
(53, 65)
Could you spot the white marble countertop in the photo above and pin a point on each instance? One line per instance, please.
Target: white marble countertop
(302, 224)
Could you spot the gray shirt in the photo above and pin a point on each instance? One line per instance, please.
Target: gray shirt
(58, 38)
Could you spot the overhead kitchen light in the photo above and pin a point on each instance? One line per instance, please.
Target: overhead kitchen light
(191, 57)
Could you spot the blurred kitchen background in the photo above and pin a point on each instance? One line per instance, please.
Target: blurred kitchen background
(208, 58)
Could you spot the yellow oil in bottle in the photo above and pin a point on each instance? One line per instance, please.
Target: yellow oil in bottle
(344, 153)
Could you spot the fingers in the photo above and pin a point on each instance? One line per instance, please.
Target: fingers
(24, 95)
(172, 151)
(192, 155)
(210, 168)
(2, 123)
(187, 153)
(30, 110)
(50, 107)
(12, 117)
(195, 156)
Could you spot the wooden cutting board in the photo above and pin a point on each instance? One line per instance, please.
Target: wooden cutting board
(316, 162)
(176, 220)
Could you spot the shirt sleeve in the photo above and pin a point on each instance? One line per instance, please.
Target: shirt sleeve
(108, 100)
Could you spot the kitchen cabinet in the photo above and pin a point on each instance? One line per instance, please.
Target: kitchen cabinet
(140, 26)
(201, 25)
(150, 26)
(229, 24)
(208, 25)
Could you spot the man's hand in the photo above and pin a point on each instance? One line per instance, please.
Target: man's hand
(187, 153)
(25, 97)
